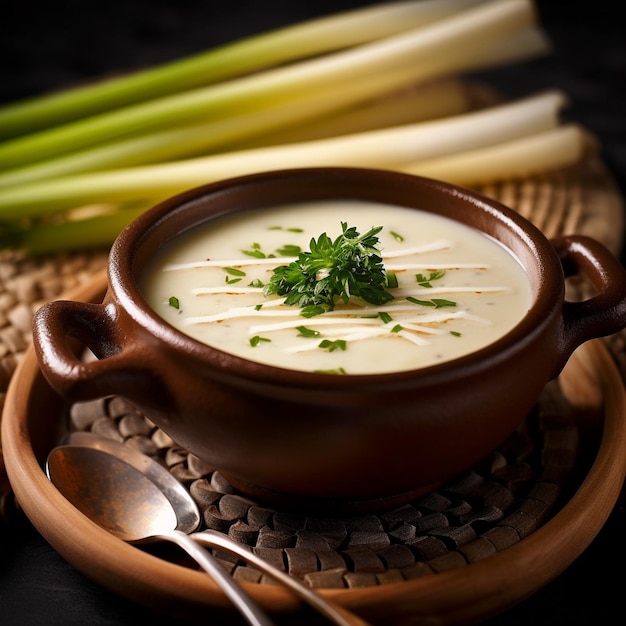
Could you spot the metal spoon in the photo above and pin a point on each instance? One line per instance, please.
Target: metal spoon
(133, 497)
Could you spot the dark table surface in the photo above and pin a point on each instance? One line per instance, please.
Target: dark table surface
(52, 45)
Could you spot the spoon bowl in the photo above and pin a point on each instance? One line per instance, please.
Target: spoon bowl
(133, 497)
(151, 503)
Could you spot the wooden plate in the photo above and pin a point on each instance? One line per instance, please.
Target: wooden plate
(464, 595)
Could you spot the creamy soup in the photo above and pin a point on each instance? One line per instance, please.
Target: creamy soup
(454, 289)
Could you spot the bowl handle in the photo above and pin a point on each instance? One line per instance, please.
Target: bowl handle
(605, 312)
(61, 331)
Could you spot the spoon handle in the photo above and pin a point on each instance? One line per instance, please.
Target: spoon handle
(337, 615)
(248, 608)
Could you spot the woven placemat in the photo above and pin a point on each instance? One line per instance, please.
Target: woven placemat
(583, 199)
(482, 511)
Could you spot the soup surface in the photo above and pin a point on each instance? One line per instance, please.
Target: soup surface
(455, 289)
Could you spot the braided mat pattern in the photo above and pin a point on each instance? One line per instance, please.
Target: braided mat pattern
(497, 503)
(487, 509)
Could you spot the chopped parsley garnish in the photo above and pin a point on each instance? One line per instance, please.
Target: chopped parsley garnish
(338, 370)
(290, 229)
(174, 302)
(256, 340)
(333, 271)
(233, 271)
(255, 251)
(423, 281)
(311, 311)
(331, 346)
(289, 250)
(435, 302)
(303, 331)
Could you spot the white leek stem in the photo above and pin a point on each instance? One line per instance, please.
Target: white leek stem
(524, 45)
(313, 37)
(394, 148)
(541, 152)
(415, 105)
(314, 117)
(417, 55)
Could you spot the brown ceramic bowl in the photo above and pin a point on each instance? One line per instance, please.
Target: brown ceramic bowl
(353, 442)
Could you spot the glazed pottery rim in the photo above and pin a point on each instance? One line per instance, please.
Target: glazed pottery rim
(123, 269)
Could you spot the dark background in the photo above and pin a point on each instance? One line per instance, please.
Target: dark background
(57, 44)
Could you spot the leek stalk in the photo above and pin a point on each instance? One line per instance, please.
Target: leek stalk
(444, 47)
(552, 149)
(411, 106)
(307, 39)
(534, 154)
(386, 147)
(314, 112)
(97, 230)
(365, 88)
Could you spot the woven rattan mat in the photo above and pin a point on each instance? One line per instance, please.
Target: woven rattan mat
(486, 510)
